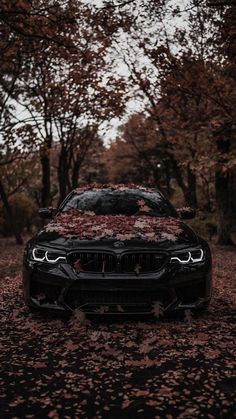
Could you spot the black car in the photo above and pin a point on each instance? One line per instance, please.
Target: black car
(117, 249)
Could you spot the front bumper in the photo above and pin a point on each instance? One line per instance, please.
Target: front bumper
(59, 287)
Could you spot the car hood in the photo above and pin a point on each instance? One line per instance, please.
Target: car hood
(115, 232)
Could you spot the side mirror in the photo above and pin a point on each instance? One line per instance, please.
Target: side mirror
(47, 212)
(186, 213)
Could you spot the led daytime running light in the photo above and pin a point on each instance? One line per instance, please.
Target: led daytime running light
(190, 258)
(45, 257)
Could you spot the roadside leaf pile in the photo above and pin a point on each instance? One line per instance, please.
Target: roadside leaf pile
(75, 367)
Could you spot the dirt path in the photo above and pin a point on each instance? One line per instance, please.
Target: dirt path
(173, 368)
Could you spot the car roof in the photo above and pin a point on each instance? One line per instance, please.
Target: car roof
(114, 187)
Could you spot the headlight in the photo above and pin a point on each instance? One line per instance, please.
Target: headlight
(191, 256)
(43, 255)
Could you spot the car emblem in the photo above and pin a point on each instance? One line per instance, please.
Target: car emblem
(119, 244)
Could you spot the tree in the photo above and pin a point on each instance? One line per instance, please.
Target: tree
(94, 166)
(140, 156)
(225, 132)
(188, 90)
(25, 27)
(52, 56)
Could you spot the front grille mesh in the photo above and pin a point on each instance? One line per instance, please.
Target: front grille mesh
(94, 262)
(141, 262)
(107, 263)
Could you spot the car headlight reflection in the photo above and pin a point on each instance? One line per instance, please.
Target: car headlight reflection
(192, 256)
(43, 255)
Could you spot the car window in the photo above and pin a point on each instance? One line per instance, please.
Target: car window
(116, 202)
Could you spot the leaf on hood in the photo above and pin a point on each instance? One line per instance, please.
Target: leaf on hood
(143, 207)
(76, 223)
(169, 236)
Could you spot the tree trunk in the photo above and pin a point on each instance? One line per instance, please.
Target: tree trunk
(46, 171)
(177, 174)
(223, 209)
(46, 181)
(223, 192)
(168, 177)
(233, 197)
(62, 173)
(179, 178)
(7, 206)
(191, 188)
(75, 174)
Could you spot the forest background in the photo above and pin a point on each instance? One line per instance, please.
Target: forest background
(118, 92)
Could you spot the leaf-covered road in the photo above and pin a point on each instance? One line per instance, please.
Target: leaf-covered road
(173, 368)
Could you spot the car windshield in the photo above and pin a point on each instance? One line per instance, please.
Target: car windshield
(117, 202)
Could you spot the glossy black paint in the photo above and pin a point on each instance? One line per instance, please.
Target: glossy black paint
(60, 287)
(47, 213)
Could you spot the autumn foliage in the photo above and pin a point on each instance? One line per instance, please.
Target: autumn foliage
(71, 70)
